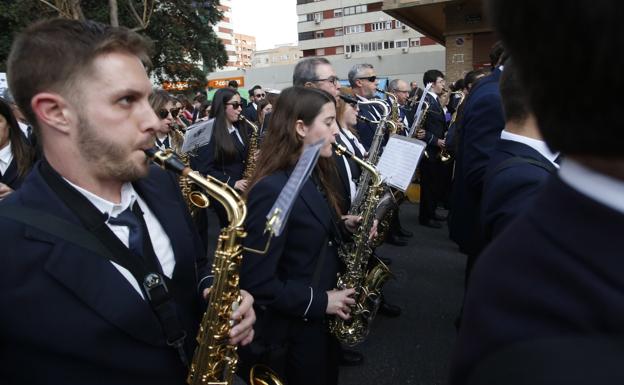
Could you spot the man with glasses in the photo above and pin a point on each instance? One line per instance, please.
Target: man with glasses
(256, 94)
(401, 90)
(363, 81)
(317, 72)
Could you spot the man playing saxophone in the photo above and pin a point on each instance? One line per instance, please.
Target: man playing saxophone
(103, 273)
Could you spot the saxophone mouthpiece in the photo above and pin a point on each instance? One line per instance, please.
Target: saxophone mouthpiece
(341, 150)
(151, 152)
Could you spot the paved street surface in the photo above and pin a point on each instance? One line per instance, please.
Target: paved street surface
(415, 347)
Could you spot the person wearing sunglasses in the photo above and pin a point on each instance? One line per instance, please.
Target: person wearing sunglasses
(224, 157)
(251, 111)
(163, 105)
(363, 81)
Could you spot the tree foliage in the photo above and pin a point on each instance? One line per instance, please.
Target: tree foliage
(185, 45)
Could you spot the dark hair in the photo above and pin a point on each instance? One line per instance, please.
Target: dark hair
(185, 102)
(52, 55)
(514, 103)
(225, 150)
(159, 99)
(261, 104)
(282, 146)
(23, 153)
(256, 87)
(471, 77)
(458, 85)
(576, 122)
(431, 76)
(497, 54)
(305, 70)
(233, 84)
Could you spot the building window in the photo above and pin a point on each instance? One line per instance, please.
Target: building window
(338, 12)
(415, 42)
(309, 17)
(353, 10)
(353, 48)
(389, 24)
(388, 44)
(377, 26)
(318, 16)
(338, 32)
(397, 24)
(320, 51)
(319, 34)
(306, 35)
(400, 43)
(354, 29)
(339, 50)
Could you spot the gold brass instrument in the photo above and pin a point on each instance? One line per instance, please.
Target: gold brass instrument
(394, 123)
(444, 155)
(418, 122)
(356, 255)
(215, 360)
(252, 150)
(194, 199)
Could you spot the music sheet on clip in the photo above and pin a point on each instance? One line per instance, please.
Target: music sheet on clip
(399, 160)
(282, 206)
(197, 135)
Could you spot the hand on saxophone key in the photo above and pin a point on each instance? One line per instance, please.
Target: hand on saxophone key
(338, 302)
(441, 143)
(373, 231)
(352, 222)
(420, 134)
(244, 318)
(241, 185)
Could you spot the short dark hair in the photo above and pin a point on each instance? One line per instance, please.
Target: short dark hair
(572, 121)
(471, 77)
(233, 84)
(497, 54)
(431, 76)
(51, 55)
(512, 95)
(254, 88)
(305, 70)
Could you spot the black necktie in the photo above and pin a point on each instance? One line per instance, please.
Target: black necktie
(129, 218)
(237, 142)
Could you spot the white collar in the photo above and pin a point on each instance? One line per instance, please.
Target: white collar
(6, 155)
(435, 96)
(128, 197)
(23, 127)
(599, 187)
(536, 144)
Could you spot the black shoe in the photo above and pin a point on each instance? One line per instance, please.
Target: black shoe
(350, 357)
(431, 223)
(389, 310)
(396, 240)
(404, 233)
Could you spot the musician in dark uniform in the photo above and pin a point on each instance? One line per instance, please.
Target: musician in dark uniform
(16, 154)
(363, 81)
(545, 303)
(294, 282)
(70, 314)
(224, 157)
(434, 127)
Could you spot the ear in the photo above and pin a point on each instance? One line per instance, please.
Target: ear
(300, 128)
(53, 110)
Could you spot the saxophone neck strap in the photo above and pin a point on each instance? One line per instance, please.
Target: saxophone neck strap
(145, 270)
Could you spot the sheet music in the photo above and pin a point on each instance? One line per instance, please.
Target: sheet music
(278, 215)
(399, 160)
(197, 135)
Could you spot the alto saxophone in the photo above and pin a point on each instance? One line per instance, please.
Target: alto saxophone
(356, 256)
(252, 150)
(215, 360)
(194, 199)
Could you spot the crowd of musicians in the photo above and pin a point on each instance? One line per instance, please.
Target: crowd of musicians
(106, 270)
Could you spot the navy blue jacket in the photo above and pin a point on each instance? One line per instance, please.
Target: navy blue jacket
(250, 112)
(510, 190)
(434, 126)
(366, 130)
(70, 317)
(480, 129)
(281, 279)
(228, 171)
(554, 272)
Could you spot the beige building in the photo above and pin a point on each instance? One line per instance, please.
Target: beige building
(238, 47)
(282, 54)
(245, 46)
(460, 25)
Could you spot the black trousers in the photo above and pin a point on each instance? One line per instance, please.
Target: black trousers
(428, 189)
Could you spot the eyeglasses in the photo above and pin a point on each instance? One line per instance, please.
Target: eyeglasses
(163, 113)
(235, 105)
(370, 78)
(331, 79)
(259, 95)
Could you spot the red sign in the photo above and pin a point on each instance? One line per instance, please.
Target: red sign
(223, 82)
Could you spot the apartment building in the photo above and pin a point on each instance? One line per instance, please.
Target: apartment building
(354, 29)
(225, 32)
(245, 46)
(280, 55)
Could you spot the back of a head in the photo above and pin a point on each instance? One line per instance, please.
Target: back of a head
(515, 105)
(580, 117)
(305, 70)
(52, 55)
(233, 84)
(431, 76)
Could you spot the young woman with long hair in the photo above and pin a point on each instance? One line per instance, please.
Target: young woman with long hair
(294, 282)
(16, 154)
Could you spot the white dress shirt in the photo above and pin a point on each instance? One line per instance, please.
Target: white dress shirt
(599, 187)
(536, 144)
(160, 241)
(232, 129)
(6, 156)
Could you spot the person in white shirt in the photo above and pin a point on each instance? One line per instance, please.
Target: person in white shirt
(16, 154)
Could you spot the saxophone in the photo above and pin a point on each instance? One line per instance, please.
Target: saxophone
(356, 256)
(215, 360)
(195, 200)
(252, 150)
(394, 123)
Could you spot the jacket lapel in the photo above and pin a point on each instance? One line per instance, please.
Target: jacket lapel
(316, 204)
(10, 175)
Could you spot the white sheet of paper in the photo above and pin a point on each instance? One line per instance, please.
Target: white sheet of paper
(399, 160)
(197, 135)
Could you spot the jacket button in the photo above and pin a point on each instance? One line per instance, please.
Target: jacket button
(330, 243)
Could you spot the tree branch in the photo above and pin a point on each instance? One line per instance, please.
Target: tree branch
(114, 13)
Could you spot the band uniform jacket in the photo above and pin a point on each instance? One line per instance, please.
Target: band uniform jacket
(480, 129)
(228, 171)
(250, 112)
(366, 130)
(554, 272)
(281, 279)
(434, 126)
(70, 317)
(510, 190)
